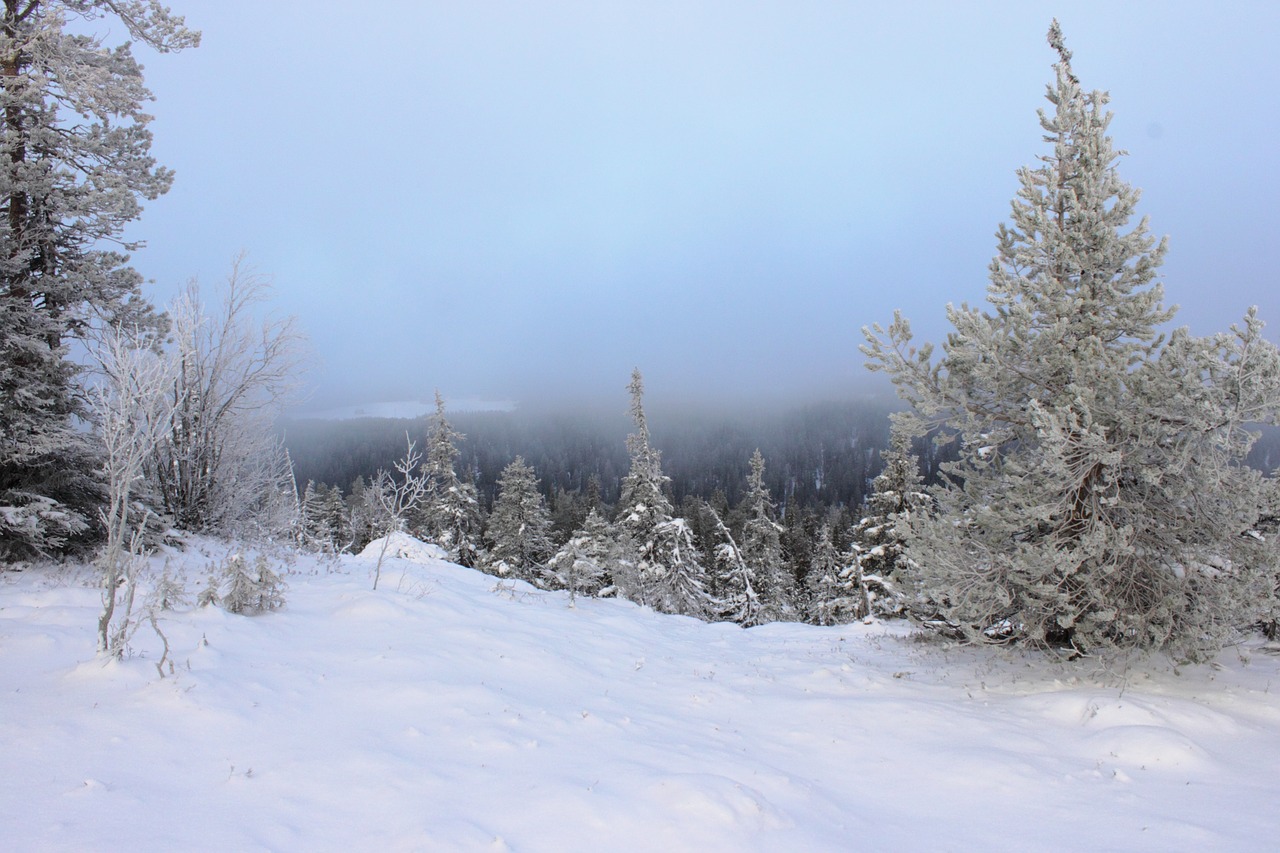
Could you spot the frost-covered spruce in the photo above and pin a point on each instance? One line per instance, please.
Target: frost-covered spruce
(762, 546)
(209, 593)
(75, 166)
(833, 600)
(661, 565)
(736, 579)
(251, 589)
(1100, 498)
(677, 576)
(326, 526)
(450, 515)
(363, 514)
(169, 591)
(882, 576)
(643, 504)
(583, 565)
(334, 520)
(314, 528)
(519, 531)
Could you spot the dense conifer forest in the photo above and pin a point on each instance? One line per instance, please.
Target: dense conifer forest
(820, 454)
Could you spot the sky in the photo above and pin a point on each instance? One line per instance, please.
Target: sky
(524, 201)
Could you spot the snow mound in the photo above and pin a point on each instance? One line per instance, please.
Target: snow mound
(404, 547)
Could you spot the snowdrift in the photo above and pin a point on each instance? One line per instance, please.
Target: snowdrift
(448, 711)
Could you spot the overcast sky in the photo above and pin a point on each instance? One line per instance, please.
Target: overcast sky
(519, 199)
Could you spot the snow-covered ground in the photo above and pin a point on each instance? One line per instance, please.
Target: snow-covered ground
(449, 712)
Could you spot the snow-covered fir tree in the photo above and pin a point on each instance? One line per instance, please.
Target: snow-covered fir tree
(583, 564)
(661, 564)
(882, 575)
(762, 546)
(519, 532)
(643, 503)
(677, 574)
(450, 515)
(75, 166)
(735, 578)
(832, 598)
(250, 589)
(335, 520)
(324, 523)
(309, 509)
(1100, 499)
(363, 514)
(170, 590)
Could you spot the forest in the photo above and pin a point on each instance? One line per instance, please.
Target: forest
(820, 455)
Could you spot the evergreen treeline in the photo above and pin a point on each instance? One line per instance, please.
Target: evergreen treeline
(741, 559)
(820, 455)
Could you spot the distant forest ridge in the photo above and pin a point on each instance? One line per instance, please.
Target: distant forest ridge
(817, 455)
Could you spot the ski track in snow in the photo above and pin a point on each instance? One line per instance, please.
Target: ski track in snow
(448, 711)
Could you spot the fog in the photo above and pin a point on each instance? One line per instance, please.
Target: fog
(524, 201)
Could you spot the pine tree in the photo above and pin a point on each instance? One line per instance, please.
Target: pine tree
(74, 167)
(519, 530)
(451, 512)
(1100, 497)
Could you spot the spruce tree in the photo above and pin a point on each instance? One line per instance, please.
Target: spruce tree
(519, 531)
(830, 598)
(450, 515)
(336, 521)
(324, 521)
(363, 514)
(661, 566)
(762, 544)
(736, 580)
(583, 565)
(882, 576)
(75, 166)
(677, 576)
(1100, 497)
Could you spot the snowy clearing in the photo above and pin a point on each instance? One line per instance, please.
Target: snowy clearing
(448, 711)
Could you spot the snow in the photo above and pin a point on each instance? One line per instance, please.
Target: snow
(404, 546)
(450, 711)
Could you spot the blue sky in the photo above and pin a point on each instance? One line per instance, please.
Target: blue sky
(523, 200)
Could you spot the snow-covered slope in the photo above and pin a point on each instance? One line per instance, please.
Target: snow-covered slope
(449, 712)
